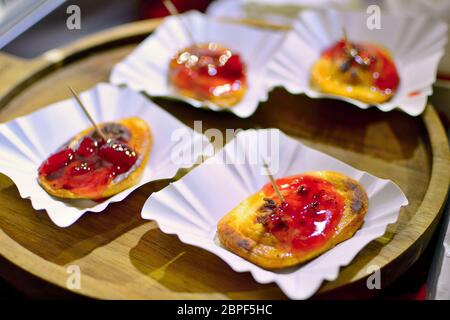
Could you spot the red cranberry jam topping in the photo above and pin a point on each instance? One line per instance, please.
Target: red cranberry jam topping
(207, 70)
(56, 161)
(93, 163)
(307, 217)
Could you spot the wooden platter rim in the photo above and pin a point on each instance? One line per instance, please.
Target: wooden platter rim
(27, 70)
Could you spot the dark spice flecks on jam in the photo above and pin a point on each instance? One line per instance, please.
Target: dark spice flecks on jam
(368, 58)
(88, 167)
(113, 131)
(307, 217)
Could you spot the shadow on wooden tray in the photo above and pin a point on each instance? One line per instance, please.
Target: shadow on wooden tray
(177, 266)
(36, 232)
(320, 122)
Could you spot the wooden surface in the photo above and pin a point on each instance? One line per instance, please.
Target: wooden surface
(123, 256)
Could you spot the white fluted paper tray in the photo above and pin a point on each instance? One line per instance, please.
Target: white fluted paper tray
(192, 206)
(25, 142)
(146, 68)
(416, 43)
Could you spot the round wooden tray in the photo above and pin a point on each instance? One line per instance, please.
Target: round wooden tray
(122, 256)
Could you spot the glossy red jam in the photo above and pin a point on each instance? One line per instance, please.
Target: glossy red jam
(89, 166)
(208, 72)
(366, 57)
(309, 215)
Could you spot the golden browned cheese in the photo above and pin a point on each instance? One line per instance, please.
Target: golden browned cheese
(227, 100)
(141, 141)
(240, 232)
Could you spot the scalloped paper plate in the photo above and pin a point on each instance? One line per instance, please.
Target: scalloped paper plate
(27, 141)
(192, 206)
(146, 68)
(416, 43)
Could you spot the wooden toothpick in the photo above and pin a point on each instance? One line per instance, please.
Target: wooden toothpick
(77, 98)
(272, 180)
(174, 12)
(348, 45)
(170, 7)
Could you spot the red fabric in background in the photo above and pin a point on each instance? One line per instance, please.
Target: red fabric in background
(155, 9)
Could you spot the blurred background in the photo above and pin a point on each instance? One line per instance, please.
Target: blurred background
(31, 27)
